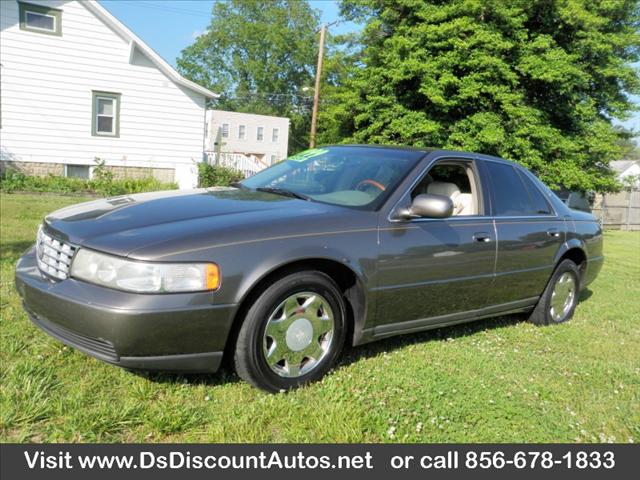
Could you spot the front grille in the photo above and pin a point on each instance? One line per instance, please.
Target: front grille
(54, 256)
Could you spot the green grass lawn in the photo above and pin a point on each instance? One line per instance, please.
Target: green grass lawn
(500, 380)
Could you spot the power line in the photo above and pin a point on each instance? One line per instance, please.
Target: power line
(161, 5)
(266, 94)
(167, 8)
(335, 23)
(164, 4)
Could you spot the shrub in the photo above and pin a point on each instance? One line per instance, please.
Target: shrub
(102, 178)
(217, 175)
(105, 185)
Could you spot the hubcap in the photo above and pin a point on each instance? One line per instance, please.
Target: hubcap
(298, 334)
(562, 297)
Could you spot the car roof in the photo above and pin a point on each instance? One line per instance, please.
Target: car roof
(386, 147)
(429, 150)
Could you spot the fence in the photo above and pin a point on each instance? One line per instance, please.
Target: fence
(620, 211)
(247, 164)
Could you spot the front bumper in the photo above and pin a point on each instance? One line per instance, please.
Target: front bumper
(182, 332)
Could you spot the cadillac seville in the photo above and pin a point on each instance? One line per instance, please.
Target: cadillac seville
(334, 246)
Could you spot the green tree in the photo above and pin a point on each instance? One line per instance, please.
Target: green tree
(535, 81)
(259, 55)
(342, 58)
(627, 141)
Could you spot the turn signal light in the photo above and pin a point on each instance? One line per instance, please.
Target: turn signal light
(213, 276)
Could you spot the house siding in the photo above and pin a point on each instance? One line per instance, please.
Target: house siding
(47, 83)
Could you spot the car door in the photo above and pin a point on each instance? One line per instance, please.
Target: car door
(430, 270)
(529, 234)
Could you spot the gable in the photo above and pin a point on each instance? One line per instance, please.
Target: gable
(136, 49)
(139, 49)
(139, 58)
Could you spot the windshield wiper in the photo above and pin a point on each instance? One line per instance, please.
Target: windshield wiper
(238, 185)
(284, 192)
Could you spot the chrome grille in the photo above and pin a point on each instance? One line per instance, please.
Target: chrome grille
(54, 256)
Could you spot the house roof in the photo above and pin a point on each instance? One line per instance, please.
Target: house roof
(622, 166)
(135, 42)
(214, 111)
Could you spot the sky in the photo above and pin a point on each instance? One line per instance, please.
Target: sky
(168, 26)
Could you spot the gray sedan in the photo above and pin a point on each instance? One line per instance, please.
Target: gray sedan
(336, 245)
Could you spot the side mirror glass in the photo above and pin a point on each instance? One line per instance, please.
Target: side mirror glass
(428, 205)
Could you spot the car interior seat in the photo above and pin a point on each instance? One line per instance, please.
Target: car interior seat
(462, 202)
(466, 204)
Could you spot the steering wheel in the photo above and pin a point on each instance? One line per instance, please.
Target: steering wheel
(368, 181)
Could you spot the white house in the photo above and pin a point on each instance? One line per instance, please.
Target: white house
(627, 168)
(76, 85)
(262, 137)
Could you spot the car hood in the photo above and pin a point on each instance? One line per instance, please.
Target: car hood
(154, 225)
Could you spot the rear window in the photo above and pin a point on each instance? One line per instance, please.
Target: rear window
(510, 194)
(540, 204)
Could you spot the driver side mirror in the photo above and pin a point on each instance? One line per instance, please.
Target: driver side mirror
(428, 205)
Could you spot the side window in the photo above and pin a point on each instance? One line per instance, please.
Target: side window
(540, 204)
(455, 180)
(509, 193)
(77, 171)
(106, 114)
(41, 19)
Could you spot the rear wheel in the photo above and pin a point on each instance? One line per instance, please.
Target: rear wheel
(559, 299)
(293, 332)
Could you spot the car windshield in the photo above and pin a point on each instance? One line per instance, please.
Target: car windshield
(349, 176)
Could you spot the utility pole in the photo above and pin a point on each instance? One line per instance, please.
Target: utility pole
(316, 93)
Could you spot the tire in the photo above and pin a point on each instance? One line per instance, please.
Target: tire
(290, 319)
(547, 312)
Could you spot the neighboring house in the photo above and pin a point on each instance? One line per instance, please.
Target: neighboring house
(76, 85)
(622, 209)
(576, 200)
(262, 137)
(627, 168)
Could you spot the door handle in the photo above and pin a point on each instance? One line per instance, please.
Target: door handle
(481, 237)
(553, 232)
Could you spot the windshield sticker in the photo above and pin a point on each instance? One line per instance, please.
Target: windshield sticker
(307, 154)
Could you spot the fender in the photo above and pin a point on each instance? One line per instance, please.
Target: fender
(285, 257)
(568, 245)
(362, 303)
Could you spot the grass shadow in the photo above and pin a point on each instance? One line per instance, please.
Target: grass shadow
(585, 295)
(354, 354)
(11, 251)
(349, 355)
(224, 376)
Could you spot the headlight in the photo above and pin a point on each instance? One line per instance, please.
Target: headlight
(144, 277)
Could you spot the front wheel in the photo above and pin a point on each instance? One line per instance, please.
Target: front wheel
(560, 297)
(293, 332)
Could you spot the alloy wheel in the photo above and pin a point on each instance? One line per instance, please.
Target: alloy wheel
(298, 334)
(562, 297)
